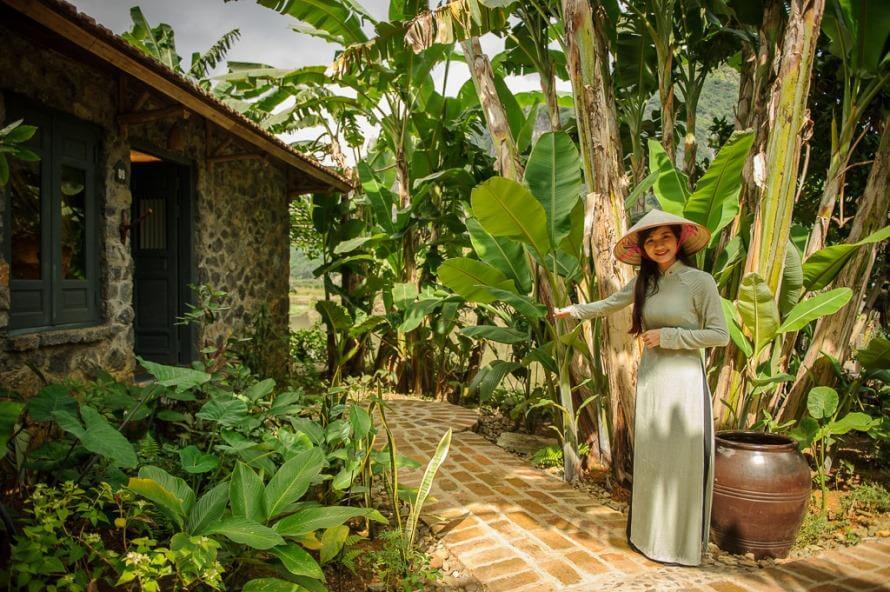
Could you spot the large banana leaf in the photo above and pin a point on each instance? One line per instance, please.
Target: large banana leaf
(858, 31)
(469, 278)
(488, 378)
(758, 310)
(822, 267)
(715, 201)
(380, 198)
(573, 244)
(507, 208)
(494, 333)
(818, 306)
(521, 303)
(670, 186)
(637, 61)
(340, 19)
(502, 253)
(553, 174)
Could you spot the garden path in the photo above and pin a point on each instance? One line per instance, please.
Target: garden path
(517, 528)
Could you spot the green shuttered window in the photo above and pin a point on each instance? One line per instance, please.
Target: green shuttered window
(51, 224)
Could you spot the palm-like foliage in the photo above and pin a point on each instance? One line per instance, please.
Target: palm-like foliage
(160, 43)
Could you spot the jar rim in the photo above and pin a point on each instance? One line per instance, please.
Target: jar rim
(761, 441)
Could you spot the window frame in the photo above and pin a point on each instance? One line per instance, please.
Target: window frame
(54, 128)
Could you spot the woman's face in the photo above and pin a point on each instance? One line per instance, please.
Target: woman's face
(661, 245)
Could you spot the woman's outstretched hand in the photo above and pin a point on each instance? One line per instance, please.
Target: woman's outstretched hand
(651, 338)
(561, 313)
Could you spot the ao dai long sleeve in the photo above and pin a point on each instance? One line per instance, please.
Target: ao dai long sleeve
(686, 308)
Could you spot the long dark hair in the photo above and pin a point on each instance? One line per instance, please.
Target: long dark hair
(647, 279)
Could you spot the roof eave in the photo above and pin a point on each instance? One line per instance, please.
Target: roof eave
(173, 87)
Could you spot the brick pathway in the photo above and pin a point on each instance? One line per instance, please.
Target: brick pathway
(516, 528)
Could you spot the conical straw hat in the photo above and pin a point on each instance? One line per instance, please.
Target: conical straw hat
(693, 238)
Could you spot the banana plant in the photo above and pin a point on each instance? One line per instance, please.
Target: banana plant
(160, 43)
(538, 219)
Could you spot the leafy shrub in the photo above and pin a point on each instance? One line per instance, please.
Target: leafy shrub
(405, 572)
(309, 346)
(815, 525)
(868, 497)
(551, 456)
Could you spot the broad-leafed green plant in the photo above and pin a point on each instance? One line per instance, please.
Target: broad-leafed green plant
(819, 430)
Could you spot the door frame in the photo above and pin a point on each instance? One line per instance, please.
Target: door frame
(186, 262)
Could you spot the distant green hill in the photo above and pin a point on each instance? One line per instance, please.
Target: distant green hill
(718, 99)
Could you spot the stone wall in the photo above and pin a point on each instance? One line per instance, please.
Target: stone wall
(241, 227)
(83, 92)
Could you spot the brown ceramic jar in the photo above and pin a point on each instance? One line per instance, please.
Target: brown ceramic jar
(761, 489)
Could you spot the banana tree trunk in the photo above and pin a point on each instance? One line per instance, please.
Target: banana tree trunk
(666, 98)
(587, 64)
(548, 88)
(787, 109)
(509, 166)
(507, 160)
(777, 123)
(744, 110)
(690, 145)
(833, 333)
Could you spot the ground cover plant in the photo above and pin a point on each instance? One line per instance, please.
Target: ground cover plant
(204, 477)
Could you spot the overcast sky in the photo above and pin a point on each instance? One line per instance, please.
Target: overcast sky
(266, 36)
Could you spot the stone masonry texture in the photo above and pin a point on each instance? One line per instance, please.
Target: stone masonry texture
(240, 241)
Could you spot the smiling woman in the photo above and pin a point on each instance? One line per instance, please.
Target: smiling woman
(676, 313)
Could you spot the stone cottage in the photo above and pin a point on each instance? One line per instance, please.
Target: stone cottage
(146, 184)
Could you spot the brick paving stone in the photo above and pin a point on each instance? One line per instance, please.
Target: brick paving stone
(586, 562)
(487, 556)
(465, 535)
(499, 569)
(519, 529)
(552, 539)
(809, 571)
(857, 584)
(869, 554)
(536, 551)
(830, 587)
(515, 581)
(562, 571)
(726, 586)
(509, 530)
(523, 520)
